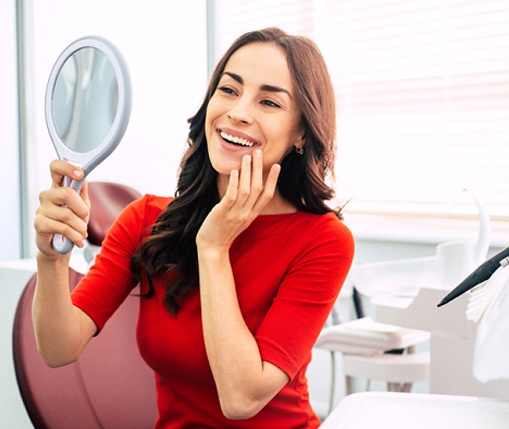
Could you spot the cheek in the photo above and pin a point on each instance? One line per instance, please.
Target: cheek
(274, 155)
(212, 112)
(282, 146)
(208, 124)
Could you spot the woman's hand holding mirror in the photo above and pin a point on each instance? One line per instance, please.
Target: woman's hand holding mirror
(61, 209)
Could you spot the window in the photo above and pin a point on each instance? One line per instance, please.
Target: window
(422, 89)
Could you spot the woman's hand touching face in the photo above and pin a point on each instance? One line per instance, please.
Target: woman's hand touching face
(246, 196)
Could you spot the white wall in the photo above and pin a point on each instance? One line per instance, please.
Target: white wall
(164, 44)
(9, 170)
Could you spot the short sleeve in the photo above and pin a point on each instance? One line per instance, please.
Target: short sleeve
(306, 296)
(110, 280)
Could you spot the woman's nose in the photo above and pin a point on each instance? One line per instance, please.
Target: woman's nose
(241, 112)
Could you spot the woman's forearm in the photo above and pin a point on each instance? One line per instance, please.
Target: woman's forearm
(245, 383)
(61, 330)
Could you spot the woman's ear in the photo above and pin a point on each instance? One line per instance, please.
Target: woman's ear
(299, 144)
(300, 139)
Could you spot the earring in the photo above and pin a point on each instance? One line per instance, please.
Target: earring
(299, 150)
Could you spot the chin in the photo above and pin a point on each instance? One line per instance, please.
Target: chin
(224, 163)
(225, 167)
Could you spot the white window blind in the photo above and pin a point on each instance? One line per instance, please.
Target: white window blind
(423, 96)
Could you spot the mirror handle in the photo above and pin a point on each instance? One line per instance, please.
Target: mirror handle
(59, 243)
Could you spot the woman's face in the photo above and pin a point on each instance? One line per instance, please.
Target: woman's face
(253, 107)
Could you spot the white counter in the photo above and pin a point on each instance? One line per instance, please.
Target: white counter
(387, 410)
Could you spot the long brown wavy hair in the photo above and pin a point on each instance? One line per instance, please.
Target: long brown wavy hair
(170, 251)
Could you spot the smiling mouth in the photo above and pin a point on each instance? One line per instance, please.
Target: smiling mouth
(237, 141)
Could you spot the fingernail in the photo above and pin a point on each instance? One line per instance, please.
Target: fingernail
(247, 159)
(78, 173)
(258, 153)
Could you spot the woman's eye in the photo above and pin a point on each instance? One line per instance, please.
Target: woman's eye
(226, 89)
(270, 103)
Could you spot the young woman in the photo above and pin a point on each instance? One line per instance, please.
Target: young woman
(239, 270)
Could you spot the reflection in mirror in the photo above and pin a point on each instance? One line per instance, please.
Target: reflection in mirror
(85, 100)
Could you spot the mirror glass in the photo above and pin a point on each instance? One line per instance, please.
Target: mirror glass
(85, 99)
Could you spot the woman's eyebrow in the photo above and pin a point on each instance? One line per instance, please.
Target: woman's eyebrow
(263, 87)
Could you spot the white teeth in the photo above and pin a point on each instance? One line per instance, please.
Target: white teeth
(236, 140)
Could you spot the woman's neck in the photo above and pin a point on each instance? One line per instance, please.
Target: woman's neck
(278, 205)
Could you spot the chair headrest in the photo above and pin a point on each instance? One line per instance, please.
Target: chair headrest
(107, 201)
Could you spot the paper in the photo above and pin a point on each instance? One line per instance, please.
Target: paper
(491, 350)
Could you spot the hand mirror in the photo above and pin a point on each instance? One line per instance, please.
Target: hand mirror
(88, 105)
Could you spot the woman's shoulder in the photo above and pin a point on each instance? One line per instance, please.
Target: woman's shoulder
(146, 209)
(302, 226)
(156, 202)
(327, 222)
(326, 234)
(327, 225)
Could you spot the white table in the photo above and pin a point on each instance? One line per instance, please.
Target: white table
(388, 410)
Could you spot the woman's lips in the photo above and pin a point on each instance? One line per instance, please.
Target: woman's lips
(236, 139)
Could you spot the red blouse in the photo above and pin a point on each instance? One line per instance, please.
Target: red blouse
(288, 271)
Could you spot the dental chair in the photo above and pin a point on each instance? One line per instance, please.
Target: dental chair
(110, 386)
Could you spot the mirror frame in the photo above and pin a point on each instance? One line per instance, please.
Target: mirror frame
(89, 160)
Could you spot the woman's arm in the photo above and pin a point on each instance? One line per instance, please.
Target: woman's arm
(61, 330)
(245, 382)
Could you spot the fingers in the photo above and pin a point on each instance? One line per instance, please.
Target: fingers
(86, 199)
(48, 224)
(248, 192)
(257, 173)
(62, 210)
(230, 196)
(269, 188)
(262, 186)
(244, 190)
(60, 169)
(249, 189)
(63, 200)
(65, 196)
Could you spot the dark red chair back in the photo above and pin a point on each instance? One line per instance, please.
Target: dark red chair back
(107, 201)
